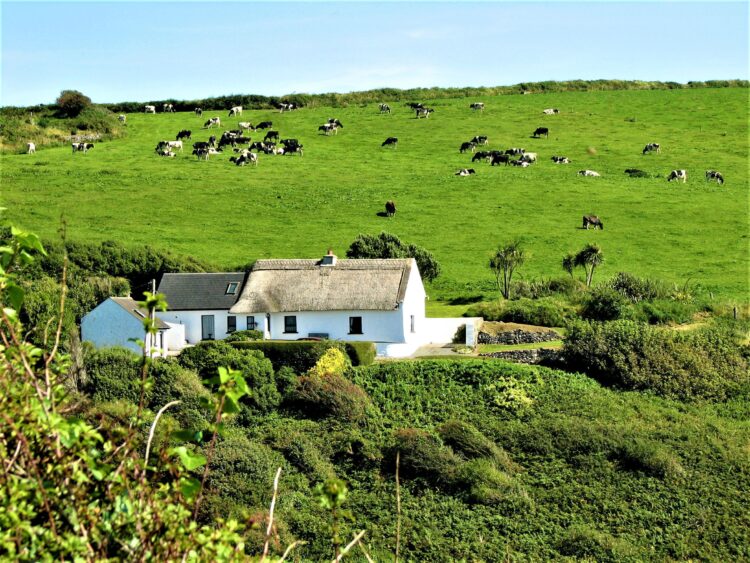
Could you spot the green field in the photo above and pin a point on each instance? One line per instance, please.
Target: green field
(298, 207)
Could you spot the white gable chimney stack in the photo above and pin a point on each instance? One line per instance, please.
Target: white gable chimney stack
(329, 259)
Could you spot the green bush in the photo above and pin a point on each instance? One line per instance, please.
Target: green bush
(72, 102)
(542, 312)
(466, 440)
(586, 543)
(301, 356)
(483, 483)
(329, 396)
(604, 304)
(113, 374)
(650, 458)
(536, 289)
(422, 455)
(636, 289)
(386, 245)
(172, 382)
(361, 353)
(665, 311)
(244, 335)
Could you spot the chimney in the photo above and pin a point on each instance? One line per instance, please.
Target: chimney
(329, 259)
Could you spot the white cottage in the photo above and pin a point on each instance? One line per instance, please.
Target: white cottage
(118, 321)
(381, 301)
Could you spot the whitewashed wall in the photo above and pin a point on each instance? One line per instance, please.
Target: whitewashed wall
(442, 331)
(192, 322)
(378, 326)
(414, 304)
(111, 325)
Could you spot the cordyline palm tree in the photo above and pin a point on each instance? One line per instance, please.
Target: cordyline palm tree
(589, 258)
(569, 263)
(506, 259)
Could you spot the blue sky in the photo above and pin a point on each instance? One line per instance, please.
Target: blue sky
(135, 51)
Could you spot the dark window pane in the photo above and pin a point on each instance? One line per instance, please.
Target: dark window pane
(290, 324)
(231, 324)
(355, 325)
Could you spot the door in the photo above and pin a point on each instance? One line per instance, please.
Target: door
(207, 327)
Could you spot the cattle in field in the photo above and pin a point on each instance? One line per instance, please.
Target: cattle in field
(390, 208)
(714, 175)
(244, 158)
(296, 149)
(515, 151)
(30, 148)
(168, 108)
(560, 160)
(414, 105)
(677, 175)
(519, 162)
(149, 109)
(212, 141)
(198, 111)
(201, 153)
(264, 125)
(652, 147)
(590, 173)
(541, 131)
(168, 145)
(236, 110)
(166, 152)
(384, 108)
(481, 155)
(122, 118)
(529, 157)
(328, 128)
(335, 122)
(635, 173)
(480, 139)
(257, 146)
(289, 142)
(211, 122)
(477, 106)
(424, 112)
(550, 111)
(246, 126)
(271, 135)
(592, 221)
(469, 146)
(184, 134)
(466, 172)
(175, 145)
(82, 147)
(390, 141)
(201, 145)
(496, 159)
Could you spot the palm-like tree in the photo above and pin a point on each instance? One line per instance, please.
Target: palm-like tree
(589, 258)
(569, 263)
(506, 259)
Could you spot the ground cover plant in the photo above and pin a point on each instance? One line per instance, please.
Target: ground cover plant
(292, 206)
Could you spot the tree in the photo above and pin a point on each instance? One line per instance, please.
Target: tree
(589, 258)
(72, 102)
(569, 263)
(505, 261)
(386, 245)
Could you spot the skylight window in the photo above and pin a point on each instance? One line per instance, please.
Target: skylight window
(232, 288)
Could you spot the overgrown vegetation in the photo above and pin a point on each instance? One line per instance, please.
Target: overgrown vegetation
(386, 245)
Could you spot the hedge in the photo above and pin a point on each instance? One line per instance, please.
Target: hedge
(302, 355)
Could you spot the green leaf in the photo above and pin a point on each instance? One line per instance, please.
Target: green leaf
(190, 487)
(190, 460)
(189, 435)
(15, 295)
(230, 406)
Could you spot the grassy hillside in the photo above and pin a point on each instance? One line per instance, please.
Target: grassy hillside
(298, 207)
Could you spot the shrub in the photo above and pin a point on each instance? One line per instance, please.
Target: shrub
(244, 335)
(651, 458)
(172, 382)
(332, 362)
(536, 289)
(542, 312)
(113, 373)
(604, 304)
(584, 542)
(361, 353)
(386, 245)
(329, 396)
(483, 483)
(301, 356)
(466, 440)
(72, 102)
(636, 289)
(665, 311)
(423, 456)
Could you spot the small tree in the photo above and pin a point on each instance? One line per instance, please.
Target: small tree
(386, 245)
(505, 261)
(72, 102)
(569, 263)
(589, 258)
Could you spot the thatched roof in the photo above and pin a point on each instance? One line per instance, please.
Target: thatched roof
(135, 310)
(201, 291)
(305, 285)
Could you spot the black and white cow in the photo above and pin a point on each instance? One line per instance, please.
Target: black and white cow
(477, 106)
(541, 131)
(529, 157)
(515, 151)
(168, 108)
(550, 111)
(201, 153)
(714, 175)
(236, 110)
(500, 159)
(296, 149)
(592, 221)
(184, 134)
(271, 135)
(198, 111)
(384, 108)
(414, 105)
(211, 122)
(122, 118)
(466, 172)
(288, 143)
(201, 145)
(149, 109)
(244, 158)
(519, 162)
(468, 146)
(424, 112)
(264, 125)
(82, 147)
(677, 175)
(30, 148)
(328, 128)
(246, 126)
(390, 141)
(480, 140)
(481, 155)
(335, 122)
(560, 160)
(166, 152)
(390, 208)
(588, 173)
(652, 147)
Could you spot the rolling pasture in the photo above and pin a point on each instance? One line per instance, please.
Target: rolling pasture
(297, 207)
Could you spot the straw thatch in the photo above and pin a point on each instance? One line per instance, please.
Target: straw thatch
(276, 286)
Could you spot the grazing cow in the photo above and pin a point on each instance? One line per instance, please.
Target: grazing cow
(588, 173)
(529, 157)
(198, 111)
(652, 147)
(201, 145)
(477, 106)
(264, 125)
(122, 118)
(560, 160)
(480, 140)
(201, 153)
(519, 162)
(390, 208)
(390, 141)
(424, 112)
(166, 152)
(541, 131)
(714, 175)
(257, 146)
(384, 108)
(236, 110)
(289, 142)
(480, 155)
(328, 128)
(82, 147)
(212, 141)
(499, 159)
(246, 126)
(149, 109)
(470, 146)
(184, 134)
(515, 151)
(677, 175)
(271, 135)
(168, 108)
(296, 149)
(551, 111)
(593, 221)
(244, 158)
(175, 145)
(466, 172)
(635, 173)
(335, 122)
(31, 149)
(414, 105)
(211, 122)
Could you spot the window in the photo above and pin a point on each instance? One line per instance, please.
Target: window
(355, 325)
(290, 324)
(232, 288)
(413, 328)
(251, 324)
(231, 324)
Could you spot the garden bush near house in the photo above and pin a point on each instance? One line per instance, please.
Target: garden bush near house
(113, 374)
(465, 440)
(484, 483)
(244, 335)
(329, 396)
(332, 362)
(605, 304)
(637, 289)
(301, 356)
(535, 289)
(172, 382)
(361, 353)
(422, 455)
(542, 312)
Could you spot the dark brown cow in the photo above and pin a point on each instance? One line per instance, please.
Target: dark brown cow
(390, 208)
(593, 221)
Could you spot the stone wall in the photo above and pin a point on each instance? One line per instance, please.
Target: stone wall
(535, 356)
(518, 336)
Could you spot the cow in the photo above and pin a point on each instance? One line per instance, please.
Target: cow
(477, 106)
(287, 106)
(424, 112)
(384, 108)
(175, 145)
(515, 151)
(541, 131)
(201, 153)
(201, 145)
(149, 109)
(122, 118)
(166, 152)
(244, 158)
(677, 175)
(31, 148)
(212, 141)
(271, 135)
(289, 142)
(593, 221)
(415, 105)
(296, 149)
(82, 147)
(264, 125)
(469, 146)
(560, 160)
(466, 172)
(519, 162)
(236, 110)
(635, 173)
(198, 111)
(211, 122)
(246, 126)
(481, 155)
(529, 157)
(390, 141)
(499, 159)
(714, 175)
(168, 108)
(480, 139)
(184, 134)
(328, 128)
(588, 173)
(651, 147)
(257, 146)
(335, 122)
(390, 208)
(550, 111)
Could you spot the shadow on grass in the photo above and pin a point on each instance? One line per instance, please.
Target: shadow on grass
(466, 300)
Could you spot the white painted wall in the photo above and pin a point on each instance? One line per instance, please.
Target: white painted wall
(111, 325)
(192, 322)
(414, 305)
(377, 326)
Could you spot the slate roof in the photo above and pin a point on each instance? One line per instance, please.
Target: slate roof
(200, 291)
(135, 310)
(305, 285)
